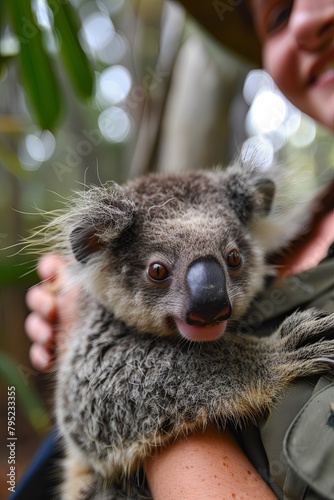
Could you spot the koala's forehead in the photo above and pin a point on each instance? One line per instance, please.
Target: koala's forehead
(188, 222)
(190, 230)
(191, 206)
(177, 191)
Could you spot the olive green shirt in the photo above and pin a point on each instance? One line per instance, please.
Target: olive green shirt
(293, 449)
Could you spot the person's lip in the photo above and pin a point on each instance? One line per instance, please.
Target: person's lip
(322, 71)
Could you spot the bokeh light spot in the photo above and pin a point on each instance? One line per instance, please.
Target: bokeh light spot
(97, 30)
(304, 134)
(36, 148)
(115, 84)
(115, 124)
(255, 81)
(268, 111)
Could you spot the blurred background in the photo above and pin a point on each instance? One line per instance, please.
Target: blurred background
(93, 90)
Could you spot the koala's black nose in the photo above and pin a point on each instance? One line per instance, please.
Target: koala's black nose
(209, 302)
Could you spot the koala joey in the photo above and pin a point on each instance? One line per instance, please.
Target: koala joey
(167, 266)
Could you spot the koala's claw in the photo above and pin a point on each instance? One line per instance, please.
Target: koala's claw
(306, 327)
(307, 347)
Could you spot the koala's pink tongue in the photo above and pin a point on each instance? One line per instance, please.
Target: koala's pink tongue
(201, 333)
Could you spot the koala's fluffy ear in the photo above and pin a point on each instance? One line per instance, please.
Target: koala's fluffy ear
(264, 195)
(250, 193)
(84, 242)
(107, 213)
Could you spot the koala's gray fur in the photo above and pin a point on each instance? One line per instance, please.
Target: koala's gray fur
(127, 381)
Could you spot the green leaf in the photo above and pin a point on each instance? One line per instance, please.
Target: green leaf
(74, 57)
(17, 376)
(8, 159)
(37, 73)
(17, 269)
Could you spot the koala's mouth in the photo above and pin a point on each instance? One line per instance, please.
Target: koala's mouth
(198, 333)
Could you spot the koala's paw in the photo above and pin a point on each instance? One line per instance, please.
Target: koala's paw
(307, 343)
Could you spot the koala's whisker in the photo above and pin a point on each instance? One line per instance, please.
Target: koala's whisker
(159, 206)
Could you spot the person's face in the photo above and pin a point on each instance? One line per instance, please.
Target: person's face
(298, 52)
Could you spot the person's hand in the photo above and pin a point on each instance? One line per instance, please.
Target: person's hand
(51, 308)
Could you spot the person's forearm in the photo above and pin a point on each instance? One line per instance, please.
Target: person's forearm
(209, 465)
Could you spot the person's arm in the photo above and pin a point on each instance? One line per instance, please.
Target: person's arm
(204, 465)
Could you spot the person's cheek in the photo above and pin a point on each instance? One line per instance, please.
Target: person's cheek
(280, 62)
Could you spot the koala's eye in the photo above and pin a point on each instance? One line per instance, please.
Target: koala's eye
(233, 259)
(157, 272)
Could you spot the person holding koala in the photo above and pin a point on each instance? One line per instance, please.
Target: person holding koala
(297, 39)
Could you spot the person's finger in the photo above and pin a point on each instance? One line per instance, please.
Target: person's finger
(41, 300)
(40, 357)
(39, 330)
(50, 266)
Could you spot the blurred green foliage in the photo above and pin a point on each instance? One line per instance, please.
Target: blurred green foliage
(27, 395)
(37, 71)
